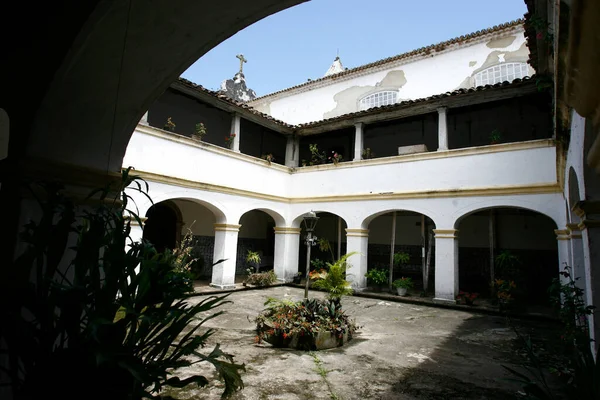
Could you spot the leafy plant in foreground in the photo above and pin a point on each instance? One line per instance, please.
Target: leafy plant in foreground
(99, 320)
(578, 368)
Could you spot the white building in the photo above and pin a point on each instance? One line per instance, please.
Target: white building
(460, 145)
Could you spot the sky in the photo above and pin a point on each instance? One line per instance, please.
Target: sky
(289, 47)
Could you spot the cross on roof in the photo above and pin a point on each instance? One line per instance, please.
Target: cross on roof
(242, 61)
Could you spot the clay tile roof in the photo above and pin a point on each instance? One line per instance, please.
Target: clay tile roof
(374, 110)
(223, 97)
(423, 50)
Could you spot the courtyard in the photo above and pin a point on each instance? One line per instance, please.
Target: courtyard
(402, 351)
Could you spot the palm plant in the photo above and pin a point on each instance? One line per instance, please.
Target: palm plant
(334, 281)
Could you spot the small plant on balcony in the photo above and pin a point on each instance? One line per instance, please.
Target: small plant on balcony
(316, 157)
(199, 132)
(495, 136)
(268, 157)
(336, 157)
(368, 154)
(229, 140)
(169, 125)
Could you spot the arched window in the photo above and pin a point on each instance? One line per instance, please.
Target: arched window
(382, 98)
(500, 73)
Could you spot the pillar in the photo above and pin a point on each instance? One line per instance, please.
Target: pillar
(226, 239)
(144, 120)
(357, 240)
(564, 253)
(577, 259)
(287, 248)
(358, 141)
(292, 152)
(446, 265)
(442, 129)
(235, 129)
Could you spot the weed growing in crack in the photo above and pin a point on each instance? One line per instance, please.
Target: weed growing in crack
(320, 369)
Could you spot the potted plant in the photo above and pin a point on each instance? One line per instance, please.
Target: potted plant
(377, 277)
(229, 140)
(467, 298)
(495, 136)
(268, 157)
(402, 285)
(297, 278)
(199, 132)
(336, 157)
(367, 153)
(253, 258)
(169, 125)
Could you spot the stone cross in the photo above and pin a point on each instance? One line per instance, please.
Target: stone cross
(242, 61)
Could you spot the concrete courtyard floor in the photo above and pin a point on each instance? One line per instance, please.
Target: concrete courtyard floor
(402, 351)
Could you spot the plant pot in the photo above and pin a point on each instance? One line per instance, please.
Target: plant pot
(401, 291)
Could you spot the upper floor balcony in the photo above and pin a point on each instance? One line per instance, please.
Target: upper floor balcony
(518, 167)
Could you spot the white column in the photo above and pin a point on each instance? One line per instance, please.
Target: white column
(292, 151)
(577, 259)
(235, 129)
(442, 129)
(357, 240)
(358, 141)
(287, 247)
(137, 232)
(564, 252)
(144, 120)
(446, 265)
(226, 238)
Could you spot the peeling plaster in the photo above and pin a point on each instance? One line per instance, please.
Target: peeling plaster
(346, 100)
(501, 43)
(519, 55)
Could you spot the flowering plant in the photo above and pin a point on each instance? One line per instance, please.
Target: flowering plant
(404, 282)
(229, 140)
(466, 297)
(199, 131)
(283, 319)
(169, 125)
(336, 157)
(504, 290)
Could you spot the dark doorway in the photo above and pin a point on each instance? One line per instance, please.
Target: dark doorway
(161, 227)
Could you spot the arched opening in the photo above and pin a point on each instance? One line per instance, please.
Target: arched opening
(256, 234)
(170, 220)
(510, 244)
(161, 228)
(409, 236)
(331, 245)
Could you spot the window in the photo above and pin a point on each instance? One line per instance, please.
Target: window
(378, 99)
(500, 73)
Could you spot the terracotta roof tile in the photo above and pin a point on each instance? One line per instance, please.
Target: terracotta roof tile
(229, 100)
(374, 110)
(438, 47)
(515, 83)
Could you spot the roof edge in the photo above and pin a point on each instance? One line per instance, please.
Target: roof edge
(460, 39)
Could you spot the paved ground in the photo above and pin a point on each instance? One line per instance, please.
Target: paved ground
(403, 351)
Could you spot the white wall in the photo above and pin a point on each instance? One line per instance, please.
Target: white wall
(504, 168)
(196, 217)
(442, 71)
(520, 164)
